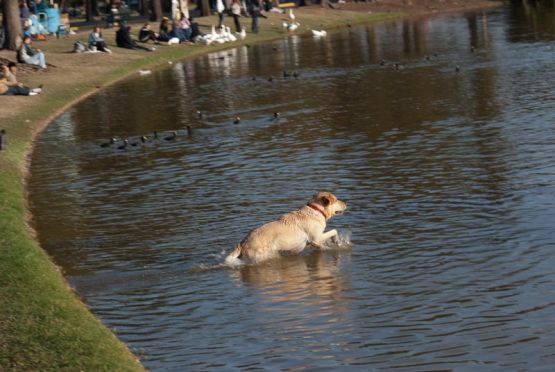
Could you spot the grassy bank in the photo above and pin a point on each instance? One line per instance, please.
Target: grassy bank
(43, 325)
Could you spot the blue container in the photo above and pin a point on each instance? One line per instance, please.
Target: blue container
(53, 18)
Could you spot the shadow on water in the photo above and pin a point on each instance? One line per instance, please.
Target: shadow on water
(437, 132)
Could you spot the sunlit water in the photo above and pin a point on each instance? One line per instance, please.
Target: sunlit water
(449, 177)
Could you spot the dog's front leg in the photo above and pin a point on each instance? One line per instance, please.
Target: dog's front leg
(319, 242)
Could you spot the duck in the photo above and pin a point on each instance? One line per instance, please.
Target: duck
(143, 72)
(296, 75)
(242, 35)
(200, 115)
(125, 144)
(276, 115)
(291, 26)
(230, 37)
(210, 37)
(457, 68)
(189, 130)
(109, 143)
(285, 74)
(237, 120)
(143, 140)
(319, 33)
(291, 15)
(172, 137)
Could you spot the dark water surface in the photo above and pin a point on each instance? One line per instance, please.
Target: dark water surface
(449, 178)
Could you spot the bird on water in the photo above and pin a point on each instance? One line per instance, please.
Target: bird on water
(109, 143)
(125, 144)
(172, 137)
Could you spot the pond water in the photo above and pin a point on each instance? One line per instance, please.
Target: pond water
(449, 176)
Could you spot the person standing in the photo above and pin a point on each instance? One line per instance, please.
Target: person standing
(236, 12)
(220, 9)
(254, 8)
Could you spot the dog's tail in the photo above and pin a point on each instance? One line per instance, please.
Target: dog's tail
(234, 258)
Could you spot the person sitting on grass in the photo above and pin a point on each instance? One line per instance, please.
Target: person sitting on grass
(165, 32)
(29, 55)
(146, 34)
(185, 27)
(9, 86)
(124, 39)
(97, 42)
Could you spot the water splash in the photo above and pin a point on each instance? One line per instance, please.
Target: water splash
(341, 242)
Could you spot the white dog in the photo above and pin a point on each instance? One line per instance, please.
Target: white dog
(292, 232)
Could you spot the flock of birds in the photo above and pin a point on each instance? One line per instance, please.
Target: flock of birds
(125, 143)
(222, 36)
(292, 25)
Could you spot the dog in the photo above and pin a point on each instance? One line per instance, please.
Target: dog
(292, 232)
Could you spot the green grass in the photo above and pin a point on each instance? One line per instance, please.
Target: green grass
(43, 325)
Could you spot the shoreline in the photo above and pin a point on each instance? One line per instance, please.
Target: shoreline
(35, 317)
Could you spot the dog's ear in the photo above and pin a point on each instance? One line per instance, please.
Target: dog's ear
(326, 200)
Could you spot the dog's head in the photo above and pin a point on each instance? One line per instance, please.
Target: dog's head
(329, 203)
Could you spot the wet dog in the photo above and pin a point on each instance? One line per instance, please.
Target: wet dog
(292, 232)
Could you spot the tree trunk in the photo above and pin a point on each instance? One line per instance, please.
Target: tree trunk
(89, 10)
(143, 7)
(12, 24)
(156, 10)
(205, 7)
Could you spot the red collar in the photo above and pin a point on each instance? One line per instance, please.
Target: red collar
(310, 205)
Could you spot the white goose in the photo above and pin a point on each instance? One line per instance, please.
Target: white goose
(241, 35)
(321, 33)
(291, 26)
(230, 36)
(209, 38)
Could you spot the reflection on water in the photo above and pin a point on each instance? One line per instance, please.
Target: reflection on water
(448, 174)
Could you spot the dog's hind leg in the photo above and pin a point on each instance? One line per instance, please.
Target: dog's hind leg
(236, 254)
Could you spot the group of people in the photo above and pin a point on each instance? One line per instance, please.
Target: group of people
(182, 30)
